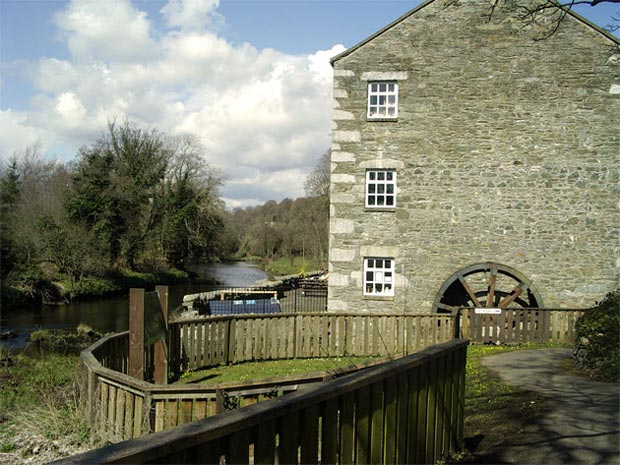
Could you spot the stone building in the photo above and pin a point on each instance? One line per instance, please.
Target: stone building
(475, 162)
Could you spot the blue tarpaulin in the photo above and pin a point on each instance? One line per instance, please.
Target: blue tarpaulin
(236, 307)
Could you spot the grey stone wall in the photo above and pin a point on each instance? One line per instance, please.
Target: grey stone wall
(507, 150)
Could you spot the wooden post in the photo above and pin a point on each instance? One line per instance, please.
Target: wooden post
(161, 359)
(136, 333)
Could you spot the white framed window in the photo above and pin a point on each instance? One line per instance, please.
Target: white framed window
(381, 189)
(382, 99)
(378, 276)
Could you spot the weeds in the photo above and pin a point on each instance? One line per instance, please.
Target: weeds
(40, 405)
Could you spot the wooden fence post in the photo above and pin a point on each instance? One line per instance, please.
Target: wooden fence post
(161, 357)
(136, 333)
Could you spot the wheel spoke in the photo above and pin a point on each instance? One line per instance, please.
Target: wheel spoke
(516, 292)
(470, 292)
(491, 294)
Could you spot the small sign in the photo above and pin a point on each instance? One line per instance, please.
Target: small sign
(488, 311)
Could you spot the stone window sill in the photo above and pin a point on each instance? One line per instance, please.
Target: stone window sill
(378, 297)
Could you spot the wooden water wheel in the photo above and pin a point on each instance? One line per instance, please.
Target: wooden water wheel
(488, 284)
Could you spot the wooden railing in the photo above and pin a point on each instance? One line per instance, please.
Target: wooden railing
(520, 325)
(235, 339)
(409, 410)
(122, 407)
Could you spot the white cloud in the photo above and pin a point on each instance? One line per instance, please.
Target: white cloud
(263, 116)
(191, 14)
(110, 30)
(16, 134)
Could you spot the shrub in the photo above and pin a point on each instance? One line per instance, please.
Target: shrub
(597, 349)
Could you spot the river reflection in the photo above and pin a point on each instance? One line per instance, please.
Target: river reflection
(111, 314)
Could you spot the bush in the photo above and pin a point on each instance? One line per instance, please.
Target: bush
(597, 350)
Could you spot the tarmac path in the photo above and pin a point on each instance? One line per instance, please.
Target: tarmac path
(581, 420)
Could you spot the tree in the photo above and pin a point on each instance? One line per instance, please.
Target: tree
(551, 13)
(317, 182)
(190, 209)
(9, 197)
(114, 184)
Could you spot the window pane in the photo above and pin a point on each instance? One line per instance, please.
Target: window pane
(381, 188)
(381, 175)
(371, 175)
(382, 87)
(378, 288)
(380, 200)
(390, 188)
(373, 99)
(392, 99)
(391, 87)
(391, 111)
(373, 87)
(389, 175)
(371, 188)
(388, 263)
(371, 200)
(378, 263)
(382, 100)
(371, 263)
(389, 201)
(369, 275)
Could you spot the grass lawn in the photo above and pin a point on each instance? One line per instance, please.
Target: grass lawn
(269, 369)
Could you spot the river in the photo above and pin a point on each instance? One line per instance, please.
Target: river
(112, 314)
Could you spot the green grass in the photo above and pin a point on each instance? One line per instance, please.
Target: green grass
(268, 369)
(39, 396)
(284, 267)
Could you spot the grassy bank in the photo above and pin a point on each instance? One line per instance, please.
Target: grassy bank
(44, 286)
(286, 266)
(40, 415)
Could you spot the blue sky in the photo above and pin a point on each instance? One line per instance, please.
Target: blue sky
(227, 71)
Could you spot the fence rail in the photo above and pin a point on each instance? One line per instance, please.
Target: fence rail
(409, 410)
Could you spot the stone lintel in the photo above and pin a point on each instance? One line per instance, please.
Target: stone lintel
(384, 76)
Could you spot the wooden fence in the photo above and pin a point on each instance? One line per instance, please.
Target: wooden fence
(409, 410)
(122, 407)
(223, 340)
(520, 325)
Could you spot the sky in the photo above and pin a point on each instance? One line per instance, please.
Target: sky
(250, 78)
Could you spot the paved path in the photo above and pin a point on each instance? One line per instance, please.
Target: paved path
(581, 421)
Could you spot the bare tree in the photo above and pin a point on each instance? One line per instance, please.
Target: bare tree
(551, 13)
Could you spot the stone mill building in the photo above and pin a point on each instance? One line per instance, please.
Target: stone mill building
(475, 162)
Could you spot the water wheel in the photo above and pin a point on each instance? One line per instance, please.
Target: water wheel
(488, 284)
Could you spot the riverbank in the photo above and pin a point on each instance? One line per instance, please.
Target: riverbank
(35, 288)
